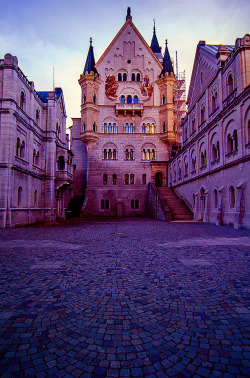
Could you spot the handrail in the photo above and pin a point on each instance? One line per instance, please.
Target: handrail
(165, 213)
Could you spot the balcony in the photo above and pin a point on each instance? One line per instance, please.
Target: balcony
(129, 109)
(169, 136)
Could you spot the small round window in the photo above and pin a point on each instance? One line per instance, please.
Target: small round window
(129, 61)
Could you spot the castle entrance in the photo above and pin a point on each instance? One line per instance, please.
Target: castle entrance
(158, 179)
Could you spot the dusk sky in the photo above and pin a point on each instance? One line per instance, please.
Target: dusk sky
(55, 33)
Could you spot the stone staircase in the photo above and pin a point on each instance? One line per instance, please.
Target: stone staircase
(179, 209)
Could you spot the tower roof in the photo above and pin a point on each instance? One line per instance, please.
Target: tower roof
(90, 61)
(154, 43)
(167, 64)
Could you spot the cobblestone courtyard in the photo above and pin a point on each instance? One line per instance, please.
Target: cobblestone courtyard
(128, 298)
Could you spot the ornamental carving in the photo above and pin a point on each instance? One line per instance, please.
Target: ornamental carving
(146, 88)
(111, 86)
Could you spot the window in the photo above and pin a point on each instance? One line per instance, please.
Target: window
(84, 99)
(34, 156)
(61, 163)
(138, 77)
(129, 154)
(35, 198)
(216, 151)
(133, 77)
(119, 76)
(105, 154)
(214, 100)
(132, 204)
(202, 113)
(104, 204)
(22, 150)
(203, 158)
(201, 77)
(126, 179)
(193, 164)
(186, 169)
(215, 198)
(144, 179)
(132, 179)
(22, 101)
(84, 126)
(94, 99)
(94, 127)
(148, 154)
(129, 128)
(58, 130)
(18, 145)
(185, 133)
(163, 100)
(105, 179)
(231, 197)
(164, 127)
(124, 77)
(37, 116)
(122, 99)
(19, 196)
(232, 142)
(143, 129)
(126, 128)
(129, 99)
(193, 126)
(230, 84)
(105, 128)
(135, 100)
(114, 179)
(109, 128)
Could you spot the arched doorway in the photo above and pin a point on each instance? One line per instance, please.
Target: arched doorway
(202, 203)
(159, 179)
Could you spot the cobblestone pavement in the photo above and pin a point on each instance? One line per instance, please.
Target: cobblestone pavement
(128, 298)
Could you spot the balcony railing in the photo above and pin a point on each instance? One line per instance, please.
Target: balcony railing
(129, 109)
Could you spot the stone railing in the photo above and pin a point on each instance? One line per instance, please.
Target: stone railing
(158, 208)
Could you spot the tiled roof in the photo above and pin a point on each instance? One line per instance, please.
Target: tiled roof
(213, 49)
(167, 64)
(44, 95)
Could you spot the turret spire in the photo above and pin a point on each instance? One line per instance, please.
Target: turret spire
(90, 61)
(129, 17)
(154, 43)
(167, 64)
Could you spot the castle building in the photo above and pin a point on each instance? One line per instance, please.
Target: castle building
(212, 171)
(131, 102)
(35, 163)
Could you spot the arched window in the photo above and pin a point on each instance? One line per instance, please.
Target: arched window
(133, 77)
(193, 164)
(138, 77)
(105, 179)
(136, 204)
(106, 204)
(119, 76)
(129, 99)
(110, 128)
(230, 84)
(126, 179)
(135, 100)
(22, 101)
(126, 128)
(153, 128)
(37, 158)
(122, 99)
(102, 204)
(84, 98)
(22, 150)
(110, 154)
(230, 145)
(94, 127)
(143, 129)
(94, 99)
(215, 198)
(248, 131)
(144, 179)
(186, 169)
(163, 100)
(164, 127)
(18, 145)
(202, 113)
(203, 158)
(114, 128)
(132, 204)
(124, 77)
(148, 128)
(105, 128)
(84, 126)
(231, 197)
(34, 156)
(193, 126)
(35, 198)
(114, 154)
(185, 133)
(132, 179)
(37, 116)
(105, 154)
(61, 163)
(19, 196)
(114, 179)
(131, 128)
(235, 140)
(214, 101)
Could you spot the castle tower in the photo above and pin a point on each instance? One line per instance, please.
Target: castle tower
(89, 82)
(166, 83)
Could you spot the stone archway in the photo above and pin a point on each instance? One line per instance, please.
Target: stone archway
(159, 179)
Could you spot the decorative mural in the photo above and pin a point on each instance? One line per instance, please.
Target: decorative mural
(111, 86)
(146, 87)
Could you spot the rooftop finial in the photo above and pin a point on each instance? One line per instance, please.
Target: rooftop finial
(129, 17)
(154, 25)
(90, 40)
(166, 41)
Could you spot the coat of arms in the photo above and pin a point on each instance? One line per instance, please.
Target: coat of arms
(146, 87)
(111, 86)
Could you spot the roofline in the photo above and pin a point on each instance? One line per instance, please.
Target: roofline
(128, 21)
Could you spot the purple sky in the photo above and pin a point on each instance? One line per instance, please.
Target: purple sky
(48, 33)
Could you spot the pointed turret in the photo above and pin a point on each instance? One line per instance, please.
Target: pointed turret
(167, 64)
(90, 61)
(154, 43)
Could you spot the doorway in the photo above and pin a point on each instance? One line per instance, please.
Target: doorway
(159, 179)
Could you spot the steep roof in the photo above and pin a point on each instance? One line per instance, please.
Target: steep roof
(44, 95)
(154, 43)
(167, 64)
(90, 61)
